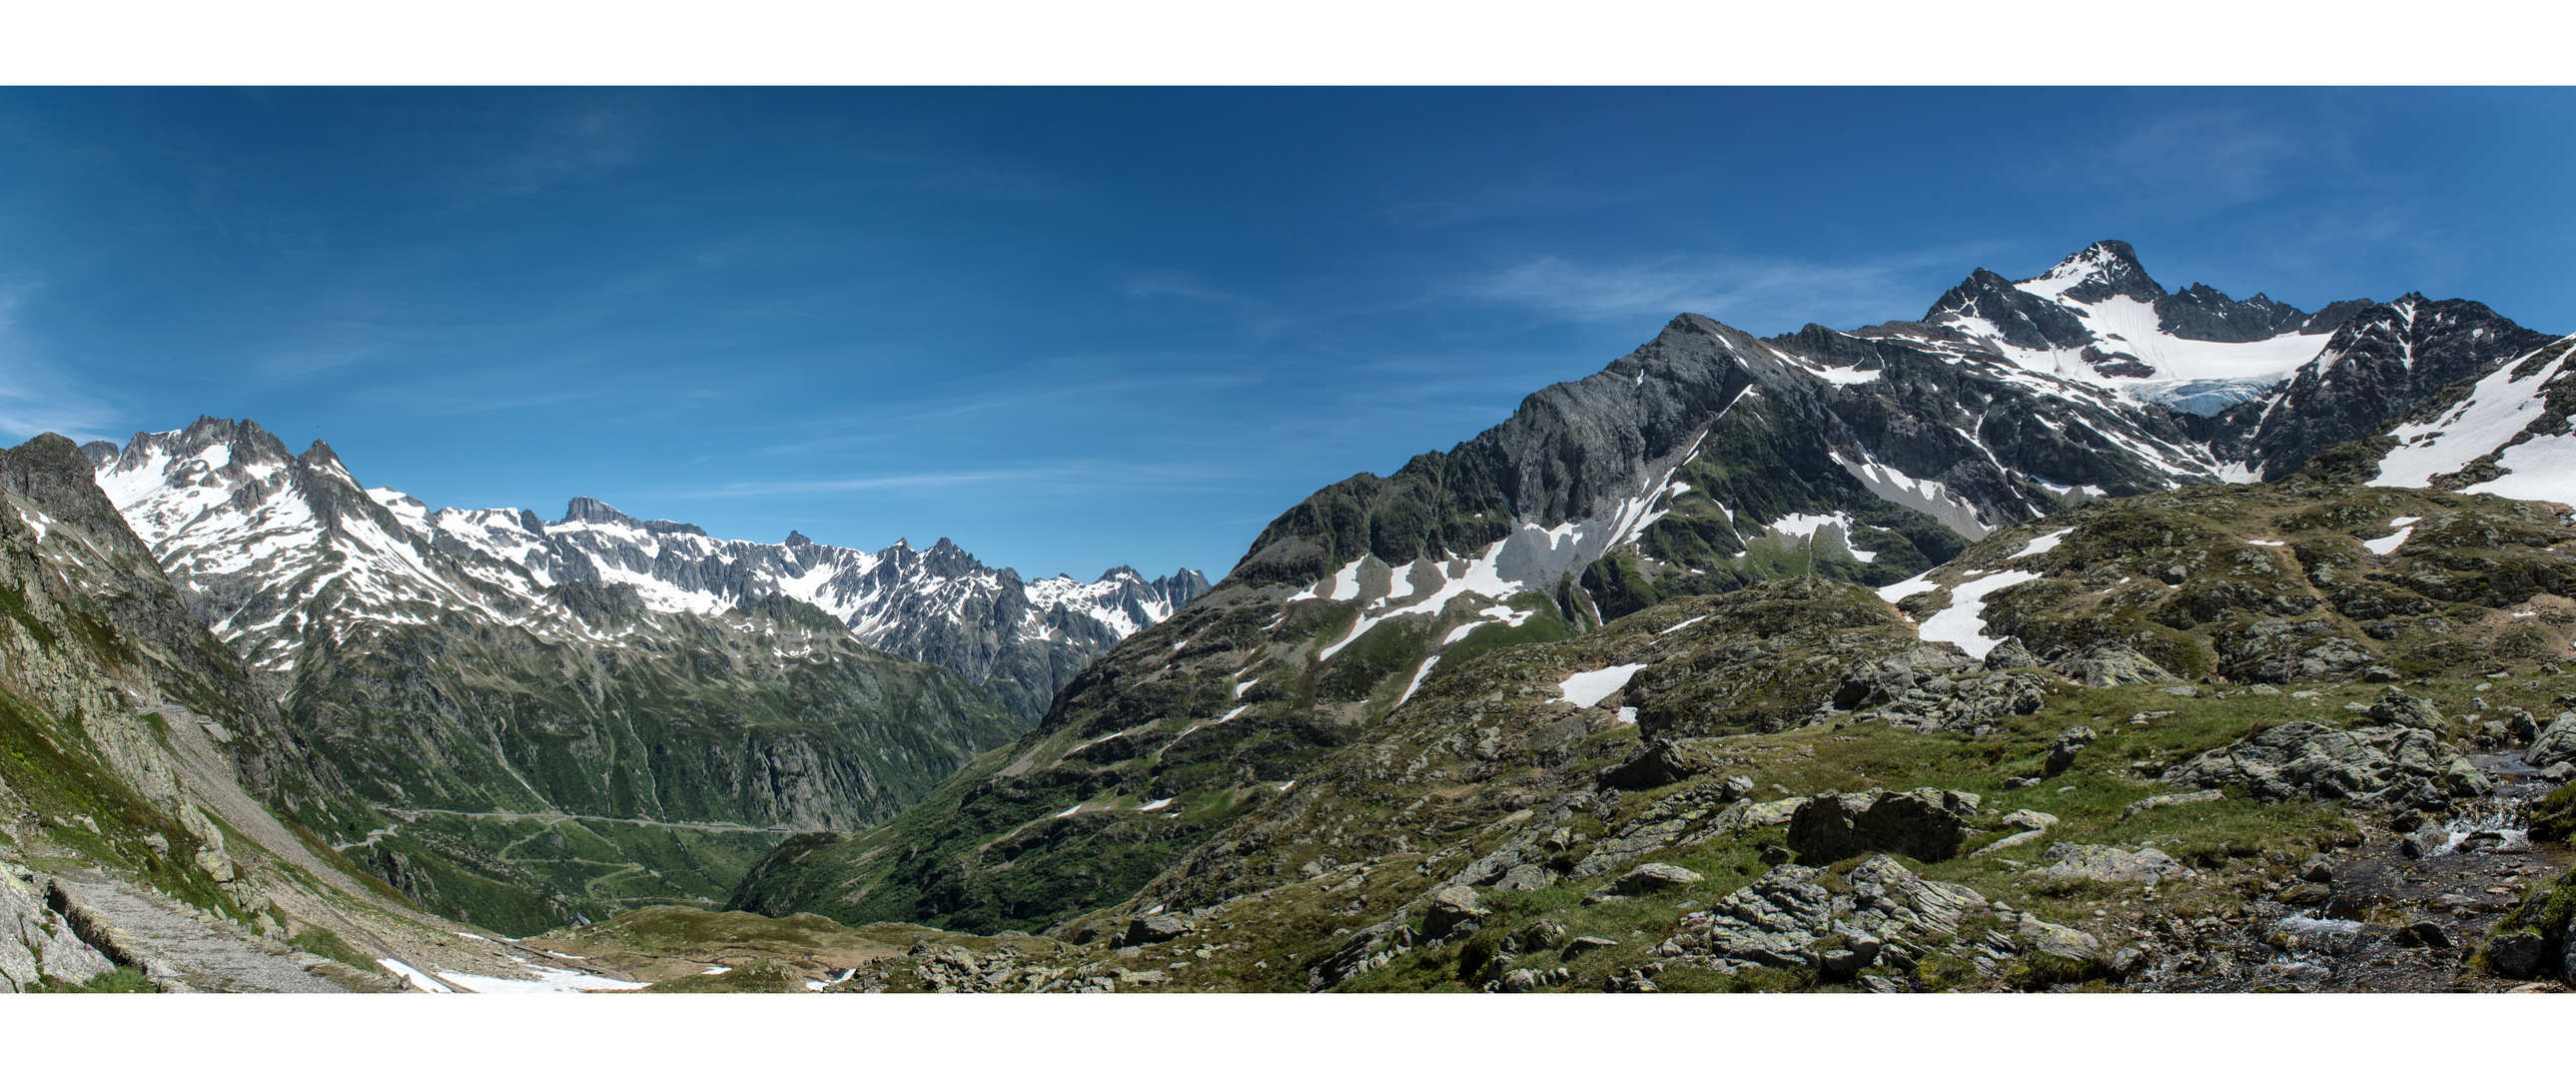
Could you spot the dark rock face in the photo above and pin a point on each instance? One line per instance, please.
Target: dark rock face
(1927, 825)
(2202, 313)
(2025, 320)
(2382, 361)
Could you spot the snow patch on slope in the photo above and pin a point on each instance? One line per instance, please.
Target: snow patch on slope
(1588, 688)
(2499, 407)
(1929, 496)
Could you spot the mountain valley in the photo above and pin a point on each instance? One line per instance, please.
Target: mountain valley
(2079, 634)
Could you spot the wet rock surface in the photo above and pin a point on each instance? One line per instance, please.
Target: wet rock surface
(2311, 760)
(2381, 921)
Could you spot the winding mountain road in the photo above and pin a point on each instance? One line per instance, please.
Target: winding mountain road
(551, 818)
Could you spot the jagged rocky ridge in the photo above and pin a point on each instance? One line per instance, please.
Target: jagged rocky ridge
(1706, 461)
(236, 518)
(2506, 432)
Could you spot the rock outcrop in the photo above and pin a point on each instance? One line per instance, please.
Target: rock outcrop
(35, 942)
(2310, 760)
(1927, 824)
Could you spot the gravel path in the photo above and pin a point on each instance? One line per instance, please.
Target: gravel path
(206, 955)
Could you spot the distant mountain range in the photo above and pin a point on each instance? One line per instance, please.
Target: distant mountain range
(247, 526)
(464, 663)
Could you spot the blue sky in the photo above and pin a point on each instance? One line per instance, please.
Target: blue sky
(1077, 328)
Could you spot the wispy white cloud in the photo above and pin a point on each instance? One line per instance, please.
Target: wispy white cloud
(767, 488)
(1160, 284)
(1060, 391)
(1756, 293)
(1063, 477)
(2202, 161)
(568, 145)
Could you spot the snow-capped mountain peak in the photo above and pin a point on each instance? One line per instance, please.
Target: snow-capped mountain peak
(2097, 317)
(257, 534)
(2106, 269)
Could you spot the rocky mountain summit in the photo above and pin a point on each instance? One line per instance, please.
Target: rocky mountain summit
(1705, 462)
(1937, 533)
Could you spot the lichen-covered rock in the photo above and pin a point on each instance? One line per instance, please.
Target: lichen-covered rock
(1884, 885)
(2462, 781)
(2111, 665)
(2078, 861)
(1927, 824)
(2029, 818)
(2011, 654)
(2057, 940)
(2556, 742)
(2398, 708)
(35, 942)
(1450, 909)
(2310, 760)
(1789, 918)
(1654, 877)
(1773, 921)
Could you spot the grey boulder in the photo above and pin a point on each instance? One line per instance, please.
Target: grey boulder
(2062, 752)
(1450, 909)
(2556, 743)
(1153, 929)
(2110, 864)
(2398, 708)
(2111, 665)
(2304, 759)
(1654, 877)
